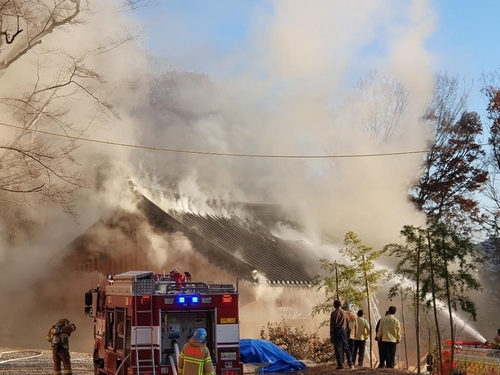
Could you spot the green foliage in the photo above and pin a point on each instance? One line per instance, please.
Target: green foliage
(340, 280)
(412, 256)
(456, 262)
(455, 258)
(364, 258)
(352, 282)
(298, 342)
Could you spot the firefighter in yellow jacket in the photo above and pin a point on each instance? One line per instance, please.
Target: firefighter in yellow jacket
(194, 358)
(58, 336)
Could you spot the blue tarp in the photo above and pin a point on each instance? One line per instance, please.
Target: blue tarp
(263, 351)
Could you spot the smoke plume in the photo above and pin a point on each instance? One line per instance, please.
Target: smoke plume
(292, 87)
(290, 90)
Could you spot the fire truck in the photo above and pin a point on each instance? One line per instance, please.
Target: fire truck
(470, 358)
(143, 319)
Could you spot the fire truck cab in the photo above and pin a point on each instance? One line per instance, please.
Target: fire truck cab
(143, 319)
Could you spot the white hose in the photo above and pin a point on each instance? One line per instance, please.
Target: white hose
(172, 364)
(176, 350)
(20, 359)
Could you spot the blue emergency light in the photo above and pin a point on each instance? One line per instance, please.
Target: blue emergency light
(192, 300)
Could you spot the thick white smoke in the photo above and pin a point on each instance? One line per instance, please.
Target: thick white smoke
(289, 90)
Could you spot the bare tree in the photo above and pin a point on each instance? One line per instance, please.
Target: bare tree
(384, 100)
(375, 107)
(24, 24)
(35, 166)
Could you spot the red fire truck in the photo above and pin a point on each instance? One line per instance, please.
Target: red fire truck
(470, 358)
(143, 319)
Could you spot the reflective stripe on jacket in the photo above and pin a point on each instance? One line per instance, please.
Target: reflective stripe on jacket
(194, 359)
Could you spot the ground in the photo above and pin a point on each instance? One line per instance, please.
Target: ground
(39, 362)
(331, 370)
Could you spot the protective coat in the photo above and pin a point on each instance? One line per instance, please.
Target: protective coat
(60, 351)
(195, 359)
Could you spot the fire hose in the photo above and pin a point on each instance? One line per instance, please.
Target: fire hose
(38, 354)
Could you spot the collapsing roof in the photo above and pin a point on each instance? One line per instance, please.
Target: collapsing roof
(243, 247)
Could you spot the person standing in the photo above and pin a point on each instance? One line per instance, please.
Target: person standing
(339, 335)
(58, 336)
(352, 326)
(194, 358)
(389, 335)
(379, 344)
(362, 335)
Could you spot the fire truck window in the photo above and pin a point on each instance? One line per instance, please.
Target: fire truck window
(110, 328)
(120, 328)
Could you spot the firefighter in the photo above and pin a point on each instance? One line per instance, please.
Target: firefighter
(194, 358)
(58, 336)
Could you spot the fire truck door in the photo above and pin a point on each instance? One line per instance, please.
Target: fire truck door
(177, 327)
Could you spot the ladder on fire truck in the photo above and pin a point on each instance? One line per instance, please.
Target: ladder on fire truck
(144, 365)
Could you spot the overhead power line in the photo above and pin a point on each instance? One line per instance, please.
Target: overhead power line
(210, 153)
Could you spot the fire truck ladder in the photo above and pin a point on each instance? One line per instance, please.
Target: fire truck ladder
(144, 365)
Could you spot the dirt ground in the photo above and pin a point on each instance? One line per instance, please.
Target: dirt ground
(331, 369)
(39, 362)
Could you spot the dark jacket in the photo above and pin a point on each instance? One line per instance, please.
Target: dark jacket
(338, 319)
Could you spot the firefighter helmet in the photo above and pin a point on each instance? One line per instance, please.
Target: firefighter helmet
(200, 335)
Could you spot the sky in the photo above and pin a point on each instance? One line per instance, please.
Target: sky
(463, 42)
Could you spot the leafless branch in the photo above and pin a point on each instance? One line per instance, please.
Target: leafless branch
(38, 159)
(8, 38)
(36, 189)
(50, 25)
